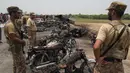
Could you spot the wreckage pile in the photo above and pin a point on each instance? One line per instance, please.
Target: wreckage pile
(60, 22)
(58, 52)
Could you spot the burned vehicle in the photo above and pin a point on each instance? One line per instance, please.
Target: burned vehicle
(47, 25)
(78, 31)
(77, 62)
(50, 51)
(47, 59)
(56, 49)
(40, 57)
(39, 24)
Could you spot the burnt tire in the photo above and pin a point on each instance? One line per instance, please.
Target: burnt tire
(86, 68)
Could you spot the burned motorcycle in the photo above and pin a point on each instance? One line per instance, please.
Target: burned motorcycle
(77, 62)
(40, 57)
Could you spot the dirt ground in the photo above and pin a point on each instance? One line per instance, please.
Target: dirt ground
(84, 43)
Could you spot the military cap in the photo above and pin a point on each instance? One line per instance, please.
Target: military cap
(13, 9)
(119, 6)
(32, 13)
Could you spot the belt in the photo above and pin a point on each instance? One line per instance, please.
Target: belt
(33, 30)
(111, 59)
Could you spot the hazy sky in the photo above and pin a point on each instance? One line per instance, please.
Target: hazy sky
(61, 6)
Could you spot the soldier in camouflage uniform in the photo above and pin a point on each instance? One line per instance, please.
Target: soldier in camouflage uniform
(13, 36)
(111, 61)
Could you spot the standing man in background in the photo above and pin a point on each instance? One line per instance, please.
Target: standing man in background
(12, 32)
(112, 42)
(31, 29)
(24, 20)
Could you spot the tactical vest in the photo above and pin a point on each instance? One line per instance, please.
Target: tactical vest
(120, 48)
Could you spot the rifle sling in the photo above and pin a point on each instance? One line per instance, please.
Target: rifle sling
(118, 37)
(19, 31)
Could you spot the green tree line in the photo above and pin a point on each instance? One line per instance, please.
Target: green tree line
(100, 16)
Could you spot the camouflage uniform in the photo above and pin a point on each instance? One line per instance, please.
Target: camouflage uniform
(19, 65)
(108, 34)
(110, 67)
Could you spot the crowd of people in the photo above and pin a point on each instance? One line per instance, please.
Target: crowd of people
(3, 17)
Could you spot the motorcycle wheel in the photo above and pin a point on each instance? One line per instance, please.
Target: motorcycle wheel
(86, 68)
(38, 60)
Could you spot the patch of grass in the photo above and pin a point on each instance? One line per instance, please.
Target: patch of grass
(81, 20)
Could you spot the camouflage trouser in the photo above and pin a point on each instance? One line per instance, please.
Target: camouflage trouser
(109, 67)
(19, 65)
